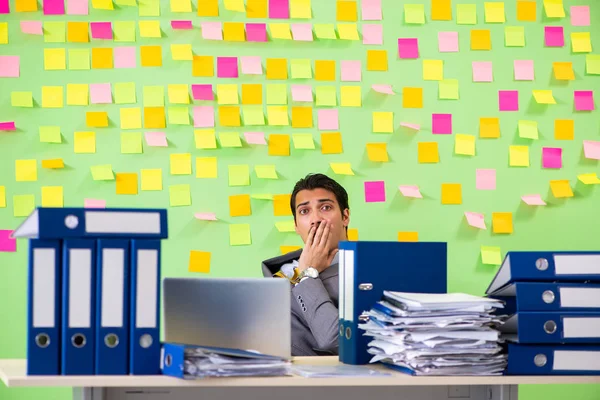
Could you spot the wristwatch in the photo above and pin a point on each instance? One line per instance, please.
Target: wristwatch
(309, 272)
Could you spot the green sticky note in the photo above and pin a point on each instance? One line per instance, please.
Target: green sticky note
(326, 96)
(448, 89)
(239, 235)
(149, 8)
(277, 93)
(50, 134)
(491, 255)
(124, 31)
(414, 13)
(262, 196)
(325, 31)
(301, 69)
(178, 115)
(131, 142)
(266, 171)
(23, 205)
(21, 99)
(253, 115)
(79, 59)
(55, 32)
(514, 36)
(179, 195)
(528, 129)
(102, 172)
(131, 3)
(466, 14)
(125, 93)
(592, 64)
(239, 175)
(303, 141)
(230, 139)
(154, 96)
(286, 226)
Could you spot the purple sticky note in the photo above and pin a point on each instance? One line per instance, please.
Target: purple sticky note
(302, 93)
(4, 8)
(591, 149)
(251, 65)
(524, 70)
(125, 57)
(584, 100)
(100, 93)
(375, 191)
(202, 92)
(551, 157)
(255, 138)
(9, 66)
(6, 243)
(508, 100)
(580, 15)
(302, 32)
(279, 9)
(181, 25)
(448, 42)
(156, 139)
(372, 34)
(212, 30)
(32, 27)
(351, 71)
(554, 36)
(204, 117)
(94, 203)
(482, 71)
(328, 119)
(101, 30)
(371, 10)
(256, 32)
(77, 7)
(408, 48)
(8, 126)
(227, 67)
(485, 179)
(441, 124)
(54, 7)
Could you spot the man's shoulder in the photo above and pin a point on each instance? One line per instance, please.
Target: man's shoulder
(272, 265)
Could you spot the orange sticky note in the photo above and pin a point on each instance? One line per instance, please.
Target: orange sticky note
(256, 9)
(325, 70)
(234, 32)
(127, 183)
(353, 234)
(55, 163)
(481, 39)
(151, 56)
(277, 68)
(77, 32)
(154, 117)
(346, 11)
(441, 10)
(229, 115)
(502, 222)
(199, 262)
(302, 117)
(331, 143)
(412, 97)
(279, 144)
(428, 152)
(281, 205)
(239, 205)
(377, 152)
(203, 66)
(26, 6)
(208, 8)
(451, 193)
(252, 93)
(561, 188)
(408, 236)
(96, 119)
(288, 249)
(377, 60)
(526, 10)
(563, 71)
(564, 129)
(489, 127)
(102, 57)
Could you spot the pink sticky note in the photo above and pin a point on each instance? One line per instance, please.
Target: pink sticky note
(156, 139)
(211, 30)
(94, 203)
(476, 220)
(100, 93)
(6, 243)
(351, 71)
(4, 8)
(255, 138)
(408, 48)
(410, 191)
(384, 89)
(256, 32)
(9, 66)
(204, 117)
(551, 157)
(77, 7)
(181, 25)
(580, 15)
(101, 30)
(554, 36)
(448, 42)
(375, 191)
(206, 216)
(591, 149)
(202, 92)
(32, 27)
(482, 71)
(409, 125)
(584, 100)
(302, 32)
(125, 57)
(441, 124)
(279, 9)
(302, 93)
(533, 200)
(508, 100)
(227, 67)
(485, 179)
(8, 126)
(524, 70)
(372, 34)
(328, 119)
(371, 10)
(54, 7)
(251, 65)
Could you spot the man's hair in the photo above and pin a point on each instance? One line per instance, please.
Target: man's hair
(320, 181)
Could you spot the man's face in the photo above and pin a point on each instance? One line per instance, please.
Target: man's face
(314, 206)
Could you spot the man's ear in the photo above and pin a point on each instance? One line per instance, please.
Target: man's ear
(346, 217)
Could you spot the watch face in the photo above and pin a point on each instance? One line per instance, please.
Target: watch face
(312, 272)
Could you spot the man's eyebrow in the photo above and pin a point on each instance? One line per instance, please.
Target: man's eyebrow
(320, 201)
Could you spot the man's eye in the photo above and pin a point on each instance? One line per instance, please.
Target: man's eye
(327, 208)
(303, 211)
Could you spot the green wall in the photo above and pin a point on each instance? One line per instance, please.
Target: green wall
(564, 224)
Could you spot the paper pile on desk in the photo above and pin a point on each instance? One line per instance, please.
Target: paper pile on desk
(436, 334)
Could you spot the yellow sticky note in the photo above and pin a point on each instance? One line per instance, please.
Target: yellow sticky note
(126, 183)
(352, 234)
(383, 121)
(131, 118)
(494, 12)
(466, 14)
(412, 97)
(491, 255)
(181, 6)
(303, 141)
(182, 52)
(52, 196)
(50, 134)
(280, 30)
(208, 8)
(448, 89)
(277, 115)
(199, 262)
(227, 93)
(25, 170)
(178, 94)
(581, 42)
(239, 235)
(131, 143)
(489, 127)
(251, 93)
(451, 193)
(341, 168)
(277, 69)
(554, 8)
(279, 145)
(54, 31)
(266, 171)
(85, 142)
(21, 99)
(276, 94)
(441, 10)
(563, 71)
(514, 36)
(331, 143)
(325, 31)
(346, 11)
(230, 139)
(262, 196)
(348, 31)
(102, 172)
(206, 167)
(377, 152)
(4, 32)
(239, 205)
(300, 9)
(428, 152)
(55, 59)
(528, 129)
(234, 32)
(181, 164)
(52, 97)
(23, 205)
(288, 249)
(180, 195)
(151, 56)
(256, 9)
(592, 64)
(433, 70)
(2, 196)
(149, 29)
(281, 205)
(481, 39)
(561, 188)
(239, 175)
(102, 57)
(286, 226)
(79, 59)
(519, 156)
(178, 115)
(502, 222)
(205, 139)
(526, 10)
(408, 236)
(96, 119)
(589, 179)
(103, 4)
(229, 115)
(464, 144)
(377, 60)
(77, 94)
(544, 97)
(350, 96)
(124, 31)
(564, 129)
(54, 163)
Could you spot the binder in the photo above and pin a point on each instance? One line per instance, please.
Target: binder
(369, 268)
(548, 296)
(78, 307)
(43, 307)
(112, 307)
(546, 266)
(553, 360)
(63, 223)
(144, 348)
(538, 327)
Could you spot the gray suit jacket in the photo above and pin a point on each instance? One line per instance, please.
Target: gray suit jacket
(315, 317)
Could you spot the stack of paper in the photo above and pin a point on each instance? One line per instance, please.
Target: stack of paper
(436, 334)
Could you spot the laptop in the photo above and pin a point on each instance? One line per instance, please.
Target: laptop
(240, 313)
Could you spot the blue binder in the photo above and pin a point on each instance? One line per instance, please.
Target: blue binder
(144, 348)
(78, 307)
(369, 268)
(43, 307)
(112, 307)
(548, 296)
(63, 223)
(553, 360)
(547, 266)
(552, 327)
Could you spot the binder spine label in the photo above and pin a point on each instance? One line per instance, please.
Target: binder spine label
(349, 286)
(581, 327)
(579, 297)
(577, 264)
(122, 222)
(80, 288)
(146, 288)
(113, 269)
(576, 360)
(44, 270)
(342, 276)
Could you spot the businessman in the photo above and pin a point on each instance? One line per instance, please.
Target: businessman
(321, 215)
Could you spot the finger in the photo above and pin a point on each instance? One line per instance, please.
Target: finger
(325, 237)
(311, 236)
(319, 232)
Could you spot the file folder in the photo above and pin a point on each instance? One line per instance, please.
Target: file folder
(538, 327)
(553, 360)
(78, 307)
(369, 268)
(546, 266)
(43, 307)
(112, 307)
(144, 349)
(63, 223)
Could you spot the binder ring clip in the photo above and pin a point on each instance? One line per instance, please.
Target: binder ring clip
(78, 340)
(548, 296)
(540, 360)
(550, 327)
(111, 340)
(71, 221)
(145, 341)
(348, 333)
(341, 330)
(541, 264)
(42, 340)
(168, 360)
